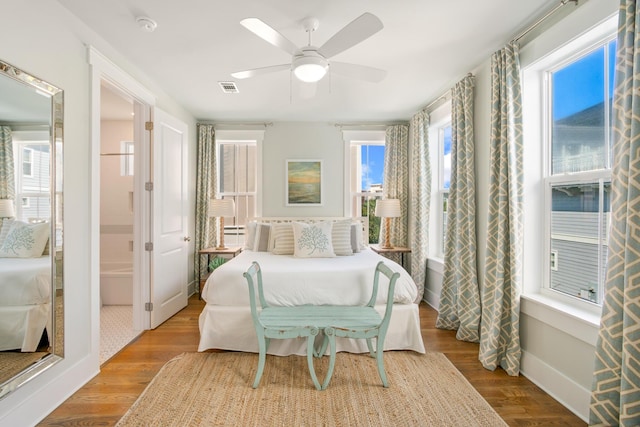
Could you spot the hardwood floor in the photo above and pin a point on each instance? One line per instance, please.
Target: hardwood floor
(103, 400)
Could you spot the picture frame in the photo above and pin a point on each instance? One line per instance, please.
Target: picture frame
(304, 182)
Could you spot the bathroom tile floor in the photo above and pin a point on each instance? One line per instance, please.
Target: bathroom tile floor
(116, 329)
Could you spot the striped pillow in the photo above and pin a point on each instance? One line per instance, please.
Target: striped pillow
(283, 239)
(341, 237)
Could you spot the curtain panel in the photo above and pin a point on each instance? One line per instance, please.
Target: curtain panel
(206, 189)
(7, 178)
(615, 395)
(459, 308)
(420, 199)
(396, 180)
(500, 323)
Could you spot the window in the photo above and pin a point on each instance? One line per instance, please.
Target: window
(444, 180)
(237, 158)
(27, 161)
(567, 114)
(365, 164)
(126, 159)
(32, 179)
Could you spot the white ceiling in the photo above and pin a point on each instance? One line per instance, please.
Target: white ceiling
(425, 46)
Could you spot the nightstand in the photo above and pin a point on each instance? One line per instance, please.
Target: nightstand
(226, 252)
(395, 250)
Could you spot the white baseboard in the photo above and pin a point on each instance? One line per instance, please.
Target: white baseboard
(563, 389)
(431, 298)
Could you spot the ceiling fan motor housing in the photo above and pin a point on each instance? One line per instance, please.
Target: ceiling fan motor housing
(310, 66)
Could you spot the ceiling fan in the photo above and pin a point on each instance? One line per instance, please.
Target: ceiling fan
(310, 63)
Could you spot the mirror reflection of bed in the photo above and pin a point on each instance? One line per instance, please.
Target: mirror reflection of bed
(31, 294)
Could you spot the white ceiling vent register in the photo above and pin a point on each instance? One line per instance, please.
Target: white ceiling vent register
(228, 87)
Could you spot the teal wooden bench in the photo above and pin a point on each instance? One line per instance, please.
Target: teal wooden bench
(362, 322)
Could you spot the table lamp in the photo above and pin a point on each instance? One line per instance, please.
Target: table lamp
(387, 209)
(222, 208)
(6, 208)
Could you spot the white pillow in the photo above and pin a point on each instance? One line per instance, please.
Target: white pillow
(25, 240)
(282, 239)
(341, 237)
(250, 235)
(357, 237)
(312, 240)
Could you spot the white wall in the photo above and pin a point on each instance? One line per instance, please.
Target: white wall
(42, 38)
(302, 140)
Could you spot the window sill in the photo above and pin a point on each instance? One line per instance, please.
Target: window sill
(570, 319)
(436, 264)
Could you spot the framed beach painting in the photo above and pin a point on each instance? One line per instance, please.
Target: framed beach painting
(304, 183)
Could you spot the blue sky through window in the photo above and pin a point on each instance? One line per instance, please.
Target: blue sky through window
(372, 165)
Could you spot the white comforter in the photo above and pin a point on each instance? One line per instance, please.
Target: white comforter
(288, 281)
(25, 281)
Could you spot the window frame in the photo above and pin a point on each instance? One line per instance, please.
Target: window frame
(538, 179)
(23, 160)
(239, 138)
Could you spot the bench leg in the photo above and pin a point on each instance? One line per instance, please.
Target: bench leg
(262, 346)
(310, 354)
(331, 337)
(379, 353)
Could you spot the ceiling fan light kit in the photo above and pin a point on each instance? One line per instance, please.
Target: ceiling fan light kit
(310, 68)
(310, 64)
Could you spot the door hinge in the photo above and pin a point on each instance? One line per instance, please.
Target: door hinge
(148, 125)
(148, 246)
(148, 186)
(148, 306)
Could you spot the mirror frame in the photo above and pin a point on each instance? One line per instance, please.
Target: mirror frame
(56, 131)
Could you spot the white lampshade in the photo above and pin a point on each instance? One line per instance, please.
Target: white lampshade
(310, 68)
(6, 208)
(222, 207)
(388, 208)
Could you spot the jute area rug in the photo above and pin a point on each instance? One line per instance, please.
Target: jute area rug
(214, 389)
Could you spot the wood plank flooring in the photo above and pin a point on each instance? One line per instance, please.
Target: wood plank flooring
(103, 400)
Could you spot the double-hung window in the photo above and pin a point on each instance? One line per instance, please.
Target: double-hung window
(32, 177)
(575, 92)
(365, 166)
(238, 170)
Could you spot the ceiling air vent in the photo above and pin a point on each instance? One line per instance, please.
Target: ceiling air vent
(229, 87)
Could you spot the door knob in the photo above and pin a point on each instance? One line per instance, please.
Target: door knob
(187, 239)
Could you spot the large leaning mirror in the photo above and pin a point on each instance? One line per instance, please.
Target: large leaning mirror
(31, 285)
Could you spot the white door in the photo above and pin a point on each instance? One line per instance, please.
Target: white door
(169, 256)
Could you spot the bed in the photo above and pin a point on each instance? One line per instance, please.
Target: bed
(226, 323)
(25, 302)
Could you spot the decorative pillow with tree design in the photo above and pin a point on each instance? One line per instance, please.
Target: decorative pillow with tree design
(25, 240)
(312, 240)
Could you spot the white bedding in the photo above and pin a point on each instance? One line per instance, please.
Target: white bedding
(225, 322)
(25, 281)
(25, 293)
(288, 281)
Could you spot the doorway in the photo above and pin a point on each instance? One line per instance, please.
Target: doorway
(117, 208)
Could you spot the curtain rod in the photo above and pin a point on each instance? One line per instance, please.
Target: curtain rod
(542, 19)
(444, 97)
(372, 125)
(265, 124)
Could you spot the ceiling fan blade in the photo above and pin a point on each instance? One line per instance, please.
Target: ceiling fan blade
(267, 33)
(259, 71)
(353, 33)
(362, 72)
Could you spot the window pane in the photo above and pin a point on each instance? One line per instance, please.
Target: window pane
(367, 206)
(446, 157)
(372, 165)
(579, 223)
(445, 203)
(227, 168)
(578, 115)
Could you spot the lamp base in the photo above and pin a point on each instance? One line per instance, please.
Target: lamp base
(386, 246)
(221, 248)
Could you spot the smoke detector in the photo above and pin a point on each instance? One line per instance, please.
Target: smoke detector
(146, 24)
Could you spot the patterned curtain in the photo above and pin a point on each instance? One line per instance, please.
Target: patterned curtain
(206, 180)
(460, 296)
(615, 395)
(7, 179)
(395, 182)
(420, 198)
(499, 327)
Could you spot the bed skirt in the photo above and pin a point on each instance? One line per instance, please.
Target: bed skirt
(231, 328)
